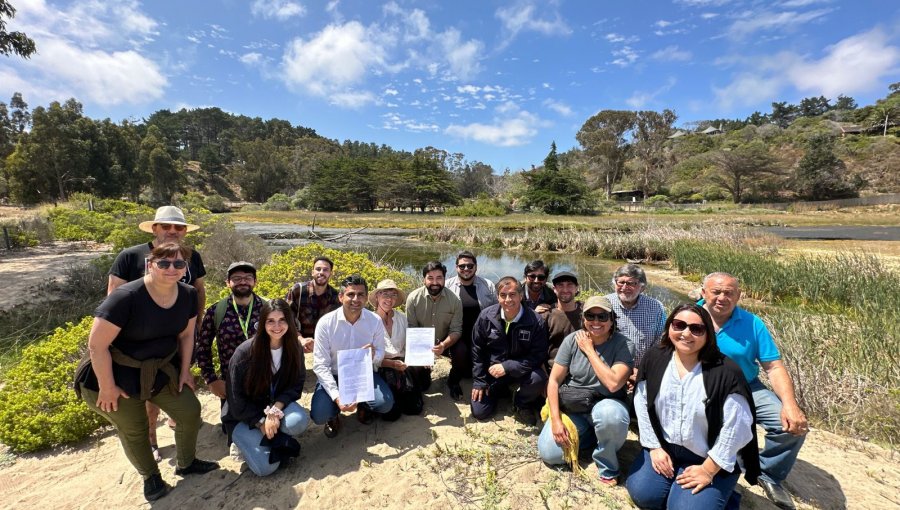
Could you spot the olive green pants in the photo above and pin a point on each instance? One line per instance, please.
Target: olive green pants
(131, 423)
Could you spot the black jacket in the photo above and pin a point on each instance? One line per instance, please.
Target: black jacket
(241, 407)
(720, 379)
(521, 350)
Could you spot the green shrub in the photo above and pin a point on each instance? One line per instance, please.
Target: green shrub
(657, 200)
(295, 265)
(278, 202)
(215, 203)
(478, 207)
(38, 408)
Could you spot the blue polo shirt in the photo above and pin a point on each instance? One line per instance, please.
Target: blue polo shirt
(745, 339)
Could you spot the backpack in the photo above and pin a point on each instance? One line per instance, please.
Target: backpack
(222, 307)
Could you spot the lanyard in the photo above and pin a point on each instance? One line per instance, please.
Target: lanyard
(245, 322)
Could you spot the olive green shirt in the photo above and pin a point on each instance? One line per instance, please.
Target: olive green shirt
(444, 314)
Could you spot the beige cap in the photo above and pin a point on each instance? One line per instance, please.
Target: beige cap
(597, 302)
(386, 285)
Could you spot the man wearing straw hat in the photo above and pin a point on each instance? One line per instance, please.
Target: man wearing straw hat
(167, 226)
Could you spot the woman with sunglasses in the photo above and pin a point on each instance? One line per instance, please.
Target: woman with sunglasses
(695, 414)
(587, 383)
(265, 380)
(140, 348)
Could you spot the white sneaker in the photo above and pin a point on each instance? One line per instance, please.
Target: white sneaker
(236, 454)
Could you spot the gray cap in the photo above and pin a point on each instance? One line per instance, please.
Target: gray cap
(243, 265)
(563, 276)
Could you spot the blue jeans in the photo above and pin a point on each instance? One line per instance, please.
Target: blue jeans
(323, 407)
(608, 420)
(247, 439)
(649, 489)
(781, 448)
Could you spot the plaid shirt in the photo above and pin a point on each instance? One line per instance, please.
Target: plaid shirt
(308, 307)
(642, 325)
(229, 337)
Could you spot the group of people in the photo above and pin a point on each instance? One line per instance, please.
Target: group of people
(689, 379)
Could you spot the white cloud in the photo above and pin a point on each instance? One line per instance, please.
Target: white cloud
(640, 99)
(416, 23)
(278, 9)
(702, 3)
(89, 50)
(391, 92)
(468, 89)
(854, 64)
(332, 61)
(251, 58)
(511, 127)
(672, 54)
(558, 107)
(662, 23)
(753, 21)
(624, 56)
(709, 15)
(524, 15)
(747, 89)
(395, 121)
(793, 4)
(351, 99)
(461, 56)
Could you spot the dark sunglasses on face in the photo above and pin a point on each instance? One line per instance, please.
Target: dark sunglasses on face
(465, 266)
(535, 276)
(164, 264)
(169, 226)
(695, 329)
(602, 316)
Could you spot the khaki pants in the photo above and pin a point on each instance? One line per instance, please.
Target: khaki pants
(130, 421)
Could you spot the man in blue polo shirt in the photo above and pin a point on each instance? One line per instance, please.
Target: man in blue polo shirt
(743, 337)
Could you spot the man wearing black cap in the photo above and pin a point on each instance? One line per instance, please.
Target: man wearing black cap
(565, 317)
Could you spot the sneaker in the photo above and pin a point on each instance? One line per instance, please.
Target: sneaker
(197, 467)
(332, 427)
(456, 392)
(155, 487)
(235, 453)
(777, 494)
(526, 416)
(609, 482)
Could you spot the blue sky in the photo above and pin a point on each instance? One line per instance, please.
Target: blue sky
(494, 80)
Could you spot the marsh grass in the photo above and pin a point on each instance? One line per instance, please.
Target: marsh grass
(837, 323)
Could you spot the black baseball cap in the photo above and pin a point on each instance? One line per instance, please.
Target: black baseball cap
(563, 276)
(243, 266)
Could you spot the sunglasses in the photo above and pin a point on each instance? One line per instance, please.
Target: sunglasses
(602, 316)
(164, 264)
(698, 329)
(169, 226)
(628, 283)
(535, 276)
(465, 266)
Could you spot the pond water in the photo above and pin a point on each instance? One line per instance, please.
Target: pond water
(400, 248)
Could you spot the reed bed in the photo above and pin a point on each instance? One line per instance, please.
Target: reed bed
(837, 324)
(650, 241)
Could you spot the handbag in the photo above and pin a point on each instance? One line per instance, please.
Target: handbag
(576, 399)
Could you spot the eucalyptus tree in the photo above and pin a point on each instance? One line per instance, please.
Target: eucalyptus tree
(606, 140)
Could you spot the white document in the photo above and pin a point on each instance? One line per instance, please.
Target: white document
(355, 383)
(419, 342)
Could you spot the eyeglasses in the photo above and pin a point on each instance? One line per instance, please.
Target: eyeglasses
(240, 279)
(602, 316)
(169, 226)
(536, 276)
(465, 267)
(164, 264)
(697, 329)
(627, 283)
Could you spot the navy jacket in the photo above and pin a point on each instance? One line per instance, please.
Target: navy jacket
(521, 350)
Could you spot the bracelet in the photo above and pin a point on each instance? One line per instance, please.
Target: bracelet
(274, 411)
(707, 474)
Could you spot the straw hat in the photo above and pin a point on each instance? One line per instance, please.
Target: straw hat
(386, 285)
(167, 214)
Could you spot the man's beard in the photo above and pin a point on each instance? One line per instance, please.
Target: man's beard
(242, 291)
(434, 290)
(469, 279)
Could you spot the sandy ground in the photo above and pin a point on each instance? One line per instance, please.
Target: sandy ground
(31, 271)
(439, 459)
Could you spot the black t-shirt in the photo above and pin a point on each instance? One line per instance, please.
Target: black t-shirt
(148, 330)
(131, 264)
(469, 297)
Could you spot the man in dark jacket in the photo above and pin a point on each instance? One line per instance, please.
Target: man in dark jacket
(509, 345)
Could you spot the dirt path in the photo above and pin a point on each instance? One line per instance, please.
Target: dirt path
(27, 273)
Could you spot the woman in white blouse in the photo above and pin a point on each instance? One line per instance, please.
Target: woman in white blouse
(695, 414)
(407, 395)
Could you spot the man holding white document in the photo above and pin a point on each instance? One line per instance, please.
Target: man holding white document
(345, 375)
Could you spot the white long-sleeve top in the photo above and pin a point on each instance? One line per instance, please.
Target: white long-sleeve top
(395, 344)
(681, 408)
(334, 333)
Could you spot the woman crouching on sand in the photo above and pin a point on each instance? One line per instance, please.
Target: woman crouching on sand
(140, 349)
(695, 414)
(265, 380)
